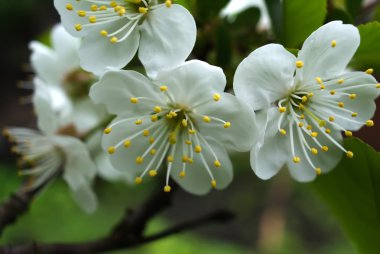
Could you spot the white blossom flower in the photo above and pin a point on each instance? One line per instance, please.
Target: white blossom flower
(183, 117)
(58, 73)
(44, 153)
(114, 30)
(305, 103)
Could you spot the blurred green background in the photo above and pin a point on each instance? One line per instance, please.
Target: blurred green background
(276, 216)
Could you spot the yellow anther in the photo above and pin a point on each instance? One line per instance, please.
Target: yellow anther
(172, 139)
(282, 109)
(139, 160)
(216, 97)
(301, 106)
(314, 134)
(377, 85)
(192, 131)
(117, 8)
(340, 81)
(333, 43)
(322, 123)
(350, 154)
(133, 1)
(319, 80)
(182, 174)
(113, 4)
(146, 133)
(217, 164)
(103, 8)
(299, 64)
(152, 173)
(328, 131)
(154, 118)
(227, 125)
(138, 122)
(198, 149)
(331, 119)
(325, 148)
(184, 123)
(352, 96)
(370, 123)
(157, 109)
(111, 150)
(138, 180)
(206, 119)
(188, 142)
(314, 151)
(69, 7)
(348, 133)
(318, 171)
(169, 116)
(283, 132)
(354, 114)
(172, 114)
(81, 13)
(78, 27)
(143, 10)
(92, 19)
(302, 116)
(322, 86)
(310, 95)
(114, 40)
(163, 88)
(213, 184)
(185, 158)
(341, 104)
(309, 127)
(190, 160)
(170, 158)
(168, 3)
(121, 12)
(151, 140)
(107, 130)
(332, 92)
(104, 33)
(304, 99)
(127, 143)
(296, 159)
(167, 188)
(94, 7)
(134, 100)
(300, 124)
(369, 71)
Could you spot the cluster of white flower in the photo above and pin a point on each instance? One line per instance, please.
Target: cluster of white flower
(179, 119)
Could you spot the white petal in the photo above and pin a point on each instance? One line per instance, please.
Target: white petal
(320, 58)
(264, 76)
(116, 88)
(167, 38)
(85, 197)
(87, 115)
(97, 52)
(243, 131)
(197, 181)
(193, 82)
(108, 172)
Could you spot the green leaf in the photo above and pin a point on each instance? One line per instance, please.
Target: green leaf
(352, 192)
(354, 7)
(275, 13)
(368, 54)
(301, 18)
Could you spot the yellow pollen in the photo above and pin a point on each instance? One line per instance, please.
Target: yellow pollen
(217, 164)
(182, 174)
(69, 7)
(310, 95)
(184, 123)
(107, 130)
(138, 180)
(348, 133)
(304, 99)
(325, 148)
(185, 158)
(227, 125)
(296, 159)
(299, 64)
(114, 40)
(314, 151)
(301, 107)
(92, 19)
(282, 109)
(318, 171)
(146, 133)
(322, 86)
(78, 27)
(300, 125)
(81, 13)
(170, 158)
(138, 122)
(167, 188)
(340, 81)
(309, 127)
(151, 140)
(157, 109)
(332, 92)
(283, 132)
(206, 119)
(191, 131)
(213, 184)
(369, 71)
(188, 142)
(134, 100)
(168, 3)
(341, 104)
(322, 123)
(216, 97)
(377, 85)
(190, 161)
(331, 119)
(333, 43)
(127, 143)
(370, 123)
(302, 116)
(352, 96)
(350, 154)
(121, 12)
(314, 134)
(104, 33)
(354, 114)
(103, 8)
(173, 114)
(172, 139)
(111, 150)
(139, 160)
(168, 116)
(328, 131)
(113, 4)
(143, 10)
(319, 80)
(152, 173)
(154, 118)
(198, 149)
(94, 7)
(163, 88)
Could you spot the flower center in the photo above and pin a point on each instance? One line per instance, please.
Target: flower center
(77, 84)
